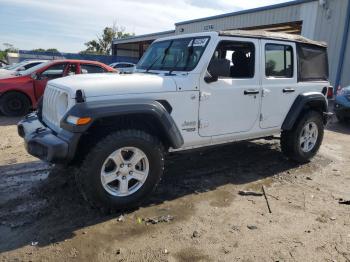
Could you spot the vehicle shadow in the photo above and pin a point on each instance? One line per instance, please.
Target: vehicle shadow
(188, 173)
(9, 121)
(339, 127)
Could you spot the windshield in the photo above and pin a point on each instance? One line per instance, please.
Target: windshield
(14, 66)
(33, 69)
(174, 55)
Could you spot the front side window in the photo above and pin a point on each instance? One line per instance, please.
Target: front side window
(54, 71)
(91, 69)
(278, 61)
(174, 55)
(241, 56)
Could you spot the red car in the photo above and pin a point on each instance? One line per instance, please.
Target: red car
(20, 93)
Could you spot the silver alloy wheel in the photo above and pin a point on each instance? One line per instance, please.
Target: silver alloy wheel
(308, 137)
(124, 171)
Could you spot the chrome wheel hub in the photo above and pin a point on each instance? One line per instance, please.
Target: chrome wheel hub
(308, 137)
(124, 171)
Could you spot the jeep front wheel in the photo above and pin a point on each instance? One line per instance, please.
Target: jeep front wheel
(121, 170)
(304, 140)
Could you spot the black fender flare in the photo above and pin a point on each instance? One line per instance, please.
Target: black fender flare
(102, 109)
(312, 99)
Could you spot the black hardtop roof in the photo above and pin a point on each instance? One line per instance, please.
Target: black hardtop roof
(271, 35)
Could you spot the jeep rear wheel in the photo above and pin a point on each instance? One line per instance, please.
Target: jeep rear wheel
(304, 140)
(121, 170)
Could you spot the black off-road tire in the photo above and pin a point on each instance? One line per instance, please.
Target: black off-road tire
(290, 143)
(88, 176)
(14, 104)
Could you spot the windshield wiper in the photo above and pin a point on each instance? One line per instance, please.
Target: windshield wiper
(190, 52)
(166, 50)
(152, 64)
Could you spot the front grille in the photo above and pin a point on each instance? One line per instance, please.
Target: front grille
(49, 111)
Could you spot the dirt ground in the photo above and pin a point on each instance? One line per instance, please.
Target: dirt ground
(44, 218)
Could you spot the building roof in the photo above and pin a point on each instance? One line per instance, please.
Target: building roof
(145, 36)
(271, 35)
(248, 11)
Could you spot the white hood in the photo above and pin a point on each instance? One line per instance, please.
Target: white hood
(5, 72)
(109, 84)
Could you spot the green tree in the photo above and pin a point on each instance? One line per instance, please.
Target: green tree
(38, 50)
(54, 50)
(2, 55)
(9, 48)
(103, 44)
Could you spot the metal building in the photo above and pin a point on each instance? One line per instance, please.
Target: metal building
(323, 20)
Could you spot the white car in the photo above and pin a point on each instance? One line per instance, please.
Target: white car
(15, 68)
(3, 65)
(124, 67)
(190, 91)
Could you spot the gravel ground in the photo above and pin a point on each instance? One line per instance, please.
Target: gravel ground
(196, 213)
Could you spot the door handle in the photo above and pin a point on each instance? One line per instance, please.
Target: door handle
(251, 92)
(288, 90)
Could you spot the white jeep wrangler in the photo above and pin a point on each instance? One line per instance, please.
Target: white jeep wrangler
(189, 91)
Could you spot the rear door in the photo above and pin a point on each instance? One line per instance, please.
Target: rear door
(91, 69)
(279, 81)
(52, 72)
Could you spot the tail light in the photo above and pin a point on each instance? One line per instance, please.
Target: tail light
(330, 92)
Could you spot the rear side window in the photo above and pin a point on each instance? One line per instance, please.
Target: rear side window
(312, 63)
(31, 65)
(278, 61)
(91, 69)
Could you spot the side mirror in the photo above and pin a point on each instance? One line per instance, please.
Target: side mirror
(21, 69)
(218, 68)
(34, 76)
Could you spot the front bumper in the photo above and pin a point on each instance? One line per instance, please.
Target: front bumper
(42, 142)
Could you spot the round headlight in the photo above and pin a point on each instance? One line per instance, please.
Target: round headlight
(62, 105)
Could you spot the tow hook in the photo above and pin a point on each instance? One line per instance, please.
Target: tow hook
(39, 130)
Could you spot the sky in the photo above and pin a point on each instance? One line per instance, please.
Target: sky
(68, 24)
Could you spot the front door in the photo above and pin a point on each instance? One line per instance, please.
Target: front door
(52, 72)
(231, 104)
(279, 79)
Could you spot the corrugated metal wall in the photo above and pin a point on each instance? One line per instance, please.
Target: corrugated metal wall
(345, 77)
(330, 28)
(320, 22)
(308, 14)
(268, 17)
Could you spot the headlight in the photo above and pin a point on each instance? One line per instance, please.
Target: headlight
(62, 105)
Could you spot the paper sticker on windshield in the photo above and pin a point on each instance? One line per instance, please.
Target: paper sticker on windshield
(200, 42)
